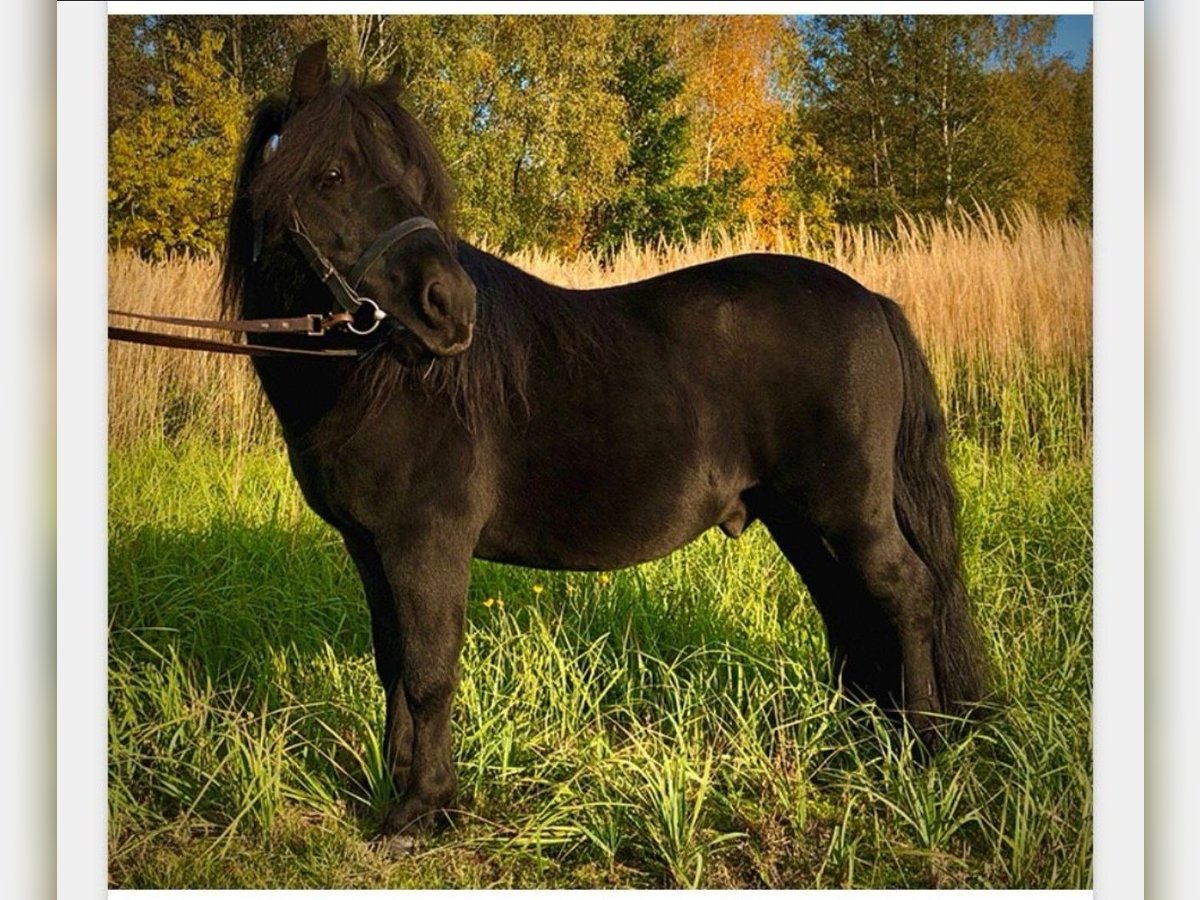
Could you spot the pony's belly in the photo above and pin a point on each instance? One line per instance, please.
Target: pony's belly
(602, 555)
(584, 538)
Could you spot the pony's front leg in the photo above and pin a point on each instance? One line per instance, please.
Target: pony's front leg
(428, 571)
(385, 635)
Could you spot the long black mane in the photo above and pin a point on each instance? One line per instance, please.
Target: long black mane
(516, 314)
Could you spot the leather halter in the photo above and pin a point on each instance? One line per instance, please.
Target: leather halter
(360, 315)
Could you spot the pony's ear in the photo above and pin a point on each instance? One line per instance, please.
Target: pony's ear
(311, 74)
(392, 86)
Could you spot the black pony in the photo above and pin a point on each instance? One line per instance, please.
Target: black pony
(493, 415)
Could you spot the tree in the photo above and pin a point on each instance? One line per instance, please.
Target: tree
(1039, 123)
(902, 101)
(1080, 204)
(566, 132)
(652, 201)
(850, 69)
(179, 91)
(542, 145)
(520, 107)
(739, 122)
(816, 184)
(1031, 113)
(132, 71)
(257, 52)
(934, 113)
(943, 104)
(171, 159)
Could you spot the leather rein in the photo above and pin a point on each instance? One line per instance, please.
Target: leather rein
(358, 314)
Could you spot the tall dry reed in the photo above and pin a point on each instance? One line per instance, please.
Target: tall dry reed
(1001, 303)
(156, 393)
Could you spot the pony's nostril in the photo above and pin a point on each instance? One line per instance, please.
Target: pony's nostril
(436, 300)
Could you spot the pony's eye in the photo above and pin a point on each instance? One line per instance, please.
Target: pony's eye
(332, 176)
(271, 148)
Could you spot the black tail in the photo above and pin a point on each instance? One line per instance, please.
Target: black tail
(927, 510)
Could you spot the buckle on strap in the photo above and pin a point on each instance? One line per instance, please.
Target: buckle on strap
(319, 325)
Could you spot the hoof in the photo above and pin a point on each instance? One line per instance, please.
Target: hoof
(930, 743)
(397, 846)
(413, 816)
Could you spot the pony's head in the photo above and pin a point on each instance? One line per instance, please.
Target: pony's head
(346, 164)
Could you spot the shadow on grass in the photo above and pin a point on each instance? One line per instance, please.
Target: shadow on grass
(230, 598)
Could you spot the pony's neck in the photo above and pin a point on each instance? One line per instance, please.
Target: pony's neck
(525, 326)
(303, 392)
(501, 283)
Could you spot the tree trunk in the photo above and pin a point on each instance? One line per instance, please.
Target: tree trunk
(947, 145)
(235, 50)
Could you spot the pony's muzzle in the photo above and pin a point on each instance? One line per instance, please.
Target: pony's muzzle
(448, 305)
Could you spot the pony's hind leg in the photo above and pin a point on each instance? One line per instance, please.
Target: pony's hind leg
(864, 648)
(874, 593)
(895, 576)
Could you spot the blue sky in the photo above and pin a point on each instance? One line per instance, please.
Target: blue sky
(1072, 34)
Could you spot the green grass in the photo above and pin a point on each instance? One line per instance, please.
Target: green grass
(668, 725)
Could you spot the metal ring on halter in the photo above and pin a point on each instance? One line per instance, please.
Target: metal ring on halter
(376, 317)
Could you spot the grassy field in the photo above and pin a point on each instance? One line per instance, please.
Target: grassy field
(668, 725)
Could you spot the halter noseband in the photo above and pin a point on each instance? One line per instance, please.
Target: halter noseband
(345, 291)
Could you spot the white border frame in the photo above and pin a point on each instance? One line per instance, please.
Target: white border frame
(1118, 34)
